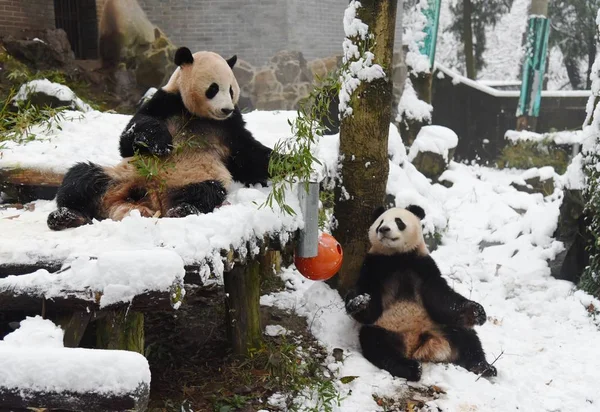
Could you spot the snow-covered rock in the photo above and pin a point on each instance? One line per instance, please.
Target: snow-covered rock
(432, 150)
(46, 93)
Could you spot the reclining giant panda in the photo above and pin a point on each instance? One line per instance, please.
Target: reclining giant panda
(193, 126)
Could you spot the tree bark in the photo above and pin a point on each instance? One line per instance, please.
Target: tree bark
(363, 143)
(468, 40)
(122, 329)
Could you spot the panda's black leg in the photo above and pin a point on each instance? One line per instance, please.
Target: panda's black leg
(385, 350)
(469, 350)
(79, 196)
(196, 198)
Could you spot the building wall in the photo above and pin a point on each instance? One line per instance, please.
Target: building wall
(16, 15)
(254, 29)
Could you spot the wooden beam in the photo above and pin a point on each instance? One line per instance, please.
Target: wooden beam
(71, 302)
(121, 329)
(25, 185)
(74, 327)
(16, 399)
(242, 299)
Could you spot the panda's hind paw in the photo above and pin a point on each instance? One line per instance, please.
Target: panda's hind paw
(65, 218)
(183, 210)
(484, 369)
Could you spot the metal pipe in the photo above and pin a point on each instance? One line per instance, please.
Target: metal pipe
(308, 242)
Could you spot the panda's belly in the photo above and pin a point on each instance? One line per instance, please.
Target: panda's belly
(421, 336)
(195, 166)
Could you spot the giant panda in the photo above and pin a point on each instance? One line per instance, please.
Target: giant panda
(194, 128)
(408, 312)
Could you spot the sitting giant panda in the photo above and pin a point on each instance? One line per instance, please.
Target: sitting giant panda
(194, 128)
(408, 311)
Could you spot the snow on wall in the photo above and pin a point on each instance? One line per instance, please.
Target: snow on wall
(563, 137)
(33, 358)
(360, 65)
(118, 275)
(60, 91)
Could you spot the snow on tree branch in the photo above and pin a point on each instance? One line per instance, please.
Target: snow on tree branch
(414, 35)
(357, 60)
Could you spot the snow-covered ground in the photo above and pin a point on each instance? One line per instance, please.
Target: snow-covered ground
(538, 326)
(496, 246)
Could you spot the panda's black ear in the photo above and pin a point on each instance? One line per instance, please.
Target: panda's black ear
(232, 60)
(183, 55)
(417, 211)
(376, 213)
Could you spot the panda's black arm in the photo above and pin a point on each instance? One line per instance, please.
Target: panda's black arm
(147, 131)
(444, 305)
(248, 160)
(364, 302)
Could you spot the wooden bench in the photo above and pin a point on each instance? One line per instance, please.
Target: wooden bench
(119, 325)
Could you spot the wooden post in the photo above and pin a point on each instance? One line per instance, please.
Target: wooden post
(74, 327)
(242, 301)
(121, 329)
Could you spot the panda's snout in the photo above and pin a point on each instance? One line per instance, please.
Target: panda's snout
(383, 229)
(226, 111)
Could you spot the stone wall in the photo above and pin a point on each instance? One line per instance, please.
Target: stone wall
(255, 30)
(289, 77)
(16, 15)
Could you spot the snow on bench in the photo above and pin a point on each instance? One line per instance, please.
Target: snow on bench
(36, 371)
(141, 280)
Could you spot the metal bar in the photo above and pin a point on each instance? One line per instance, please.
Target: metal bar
(308, 242)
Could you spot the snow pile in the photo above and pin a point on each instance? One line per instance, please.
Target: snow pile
(414, 24)
(574, 177)
(539, 324)
(563, 137)
(434, 139)
(118, 276)
(543, 173)
(360, 62)
(411, 107)
(60, 91)
(33, 358)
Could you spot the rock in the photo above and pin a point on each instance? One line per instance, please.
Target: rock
(320, 68)
(44, 93)
(290, 67)
(244, 73)
(432, 150)
(338, 354)
(154, 68)
(124, 28)
(528, 154)
(42, 50)
(432, 240)
(536, 181)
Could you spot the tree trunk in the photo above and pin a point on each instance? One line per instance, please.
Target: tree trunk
(363, 143)
(591, 60)
(572, 66)
(468, 40)
(122, 329)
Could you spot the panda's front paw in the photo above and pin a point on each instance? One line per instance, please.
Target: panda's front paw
(471, 314)
(156, 141)
(358, 303)
(183, 210)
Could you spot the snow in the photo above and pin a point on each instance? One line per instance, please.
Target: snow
(411, 107)
(33, 358)
(118, 276)
(539, 324)
(276, 330)
(60, 91)
(360, 62)
(414, 24)
(574, 178)
(433, 139)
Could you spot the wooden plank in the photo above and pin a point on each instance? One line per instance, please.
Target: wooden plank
(30, 177)
(73, 302)
(23, 399)
(74, 327)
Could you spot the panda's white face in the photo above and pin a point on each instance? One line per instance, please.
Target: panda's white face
(396, 231)
(207, 84)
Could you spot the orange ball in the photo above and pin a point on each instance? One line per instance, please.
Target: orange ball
(327, 262)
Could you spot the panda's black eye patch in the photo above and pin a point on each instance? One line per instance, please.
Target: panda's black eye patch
(231, 91)
(401, 225)
(212, 90)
